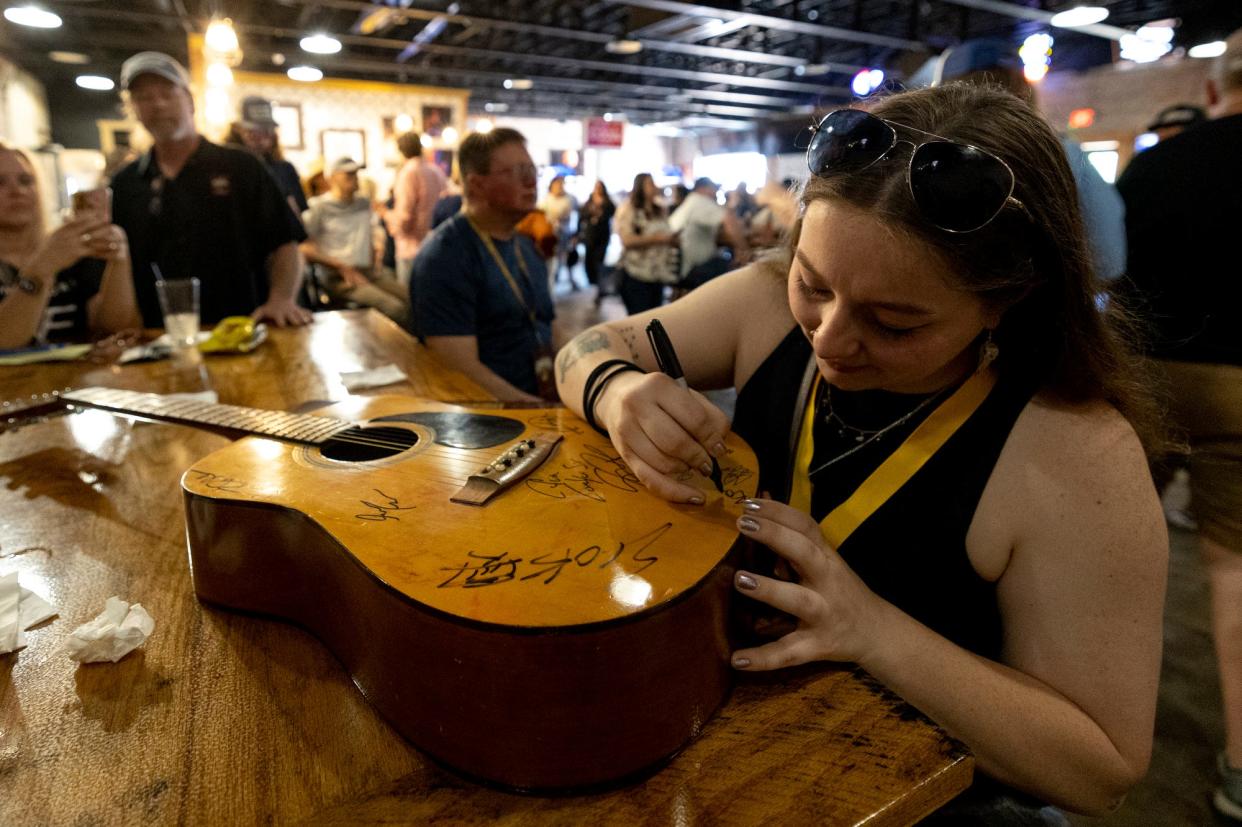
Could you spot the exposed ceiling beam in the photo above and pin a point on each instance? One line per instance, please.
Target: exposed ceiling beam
(1028, 13)
(580, 35)
(769, 22)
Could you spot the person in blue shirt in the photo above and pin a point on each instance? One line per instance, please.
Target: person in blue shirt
(479, 294)
(990, 60)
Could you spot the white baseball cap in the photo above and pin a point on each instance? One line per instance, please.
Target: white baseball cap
(154, 63)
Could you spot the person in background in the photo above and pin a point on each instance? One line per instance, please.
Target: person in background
(778, 208)
(316, 182)
(994, 61)
(649, 262)
(741, 203)
(560, 208)
(340, 225)
(450, 202)
(479, 292)
(595, 231)
(1176, 119)
(1004, 571)
(193, 208)
(1183, 212)
(418, 187)
(64, 285)
(704, 226)
(257, 130)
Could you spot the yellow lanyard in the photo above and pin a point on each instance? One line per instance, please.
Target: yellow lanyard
(894, 472)
(504, 268)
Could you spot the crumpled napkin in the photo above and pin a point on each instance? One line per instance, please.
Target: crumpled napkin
(19, 610)
(373, 378)
(119, 630)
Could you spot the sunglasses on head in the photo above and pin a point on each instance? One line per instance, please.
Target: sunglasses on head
(958, 188)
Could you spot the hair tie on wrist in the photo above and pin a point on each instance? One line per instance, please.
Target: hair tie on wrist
(595, 384)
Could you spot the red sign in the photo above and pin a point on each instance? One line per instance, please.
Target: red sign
(1081, 118)
(602, 133)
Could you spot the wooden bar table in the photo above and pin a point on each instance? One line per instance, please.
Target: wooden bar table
(223, 718)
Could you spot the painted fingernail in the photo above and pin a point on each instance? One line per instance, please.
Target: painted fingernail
(695, 500)
(747, 524)
(741, 663)
(751, 505)
(706, 468)
(745, 581)
(718, 450)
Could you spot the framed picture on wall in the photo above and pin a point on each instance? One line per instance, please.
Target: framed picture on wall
(343, 143)
(436, 118)
(288, 117)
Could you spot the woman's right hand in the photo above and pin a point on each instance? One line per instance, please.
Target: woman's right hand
(662, 430)
(76, 239)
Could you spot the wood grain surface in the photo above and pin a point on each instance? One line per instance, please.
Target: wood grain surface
(224, 718)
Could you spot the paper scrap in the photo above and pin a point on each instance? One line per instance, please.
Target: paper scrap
(119, 630)
(373, 378)
(11, 637)
(20, 609)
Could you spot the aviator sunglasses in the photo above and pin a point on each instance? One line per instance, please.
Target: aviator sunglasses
(958, 188)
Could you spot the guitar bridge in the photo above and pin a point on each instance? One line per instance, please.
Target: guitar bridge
(508, 468)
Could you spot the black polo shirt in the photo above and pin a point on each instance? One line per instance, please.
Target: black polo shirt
(1183, 215)
(218, 221)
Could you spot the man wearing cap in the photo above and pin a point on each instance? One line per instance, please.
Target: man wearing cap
(703, 226)
(257, 129)
(417, 188)
(993, 61)
(1183, 212)
(1176, 119)
(194, 209)
(341, 229)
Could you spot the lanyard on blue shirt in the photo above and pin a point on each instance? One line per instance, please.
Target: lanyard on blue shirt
(504, 268)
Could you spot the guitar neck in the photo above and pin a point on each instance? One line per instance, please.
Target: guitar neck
(303, 428)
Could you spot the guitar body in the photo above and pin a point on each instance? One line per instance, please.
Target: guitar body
(567, 634)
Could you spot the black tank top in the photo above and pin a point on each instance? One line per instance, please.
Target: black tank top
(912, 550)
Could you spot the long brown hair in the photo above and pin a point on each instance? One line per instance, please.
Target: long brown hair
(1033, 264)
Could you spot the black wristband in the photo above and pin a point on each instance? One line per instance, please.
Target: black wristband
(595, 383)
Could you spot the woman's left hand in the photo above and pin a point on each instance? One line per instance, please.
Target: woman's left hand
(838, 616)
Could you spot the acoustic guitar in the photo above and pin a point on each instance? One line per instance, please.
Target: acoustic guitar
(497, 582)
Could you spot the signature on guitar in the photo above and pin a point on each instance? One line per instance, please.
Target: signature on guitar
(383, 510)
(493, 569)
(593, 470)
(217, 482)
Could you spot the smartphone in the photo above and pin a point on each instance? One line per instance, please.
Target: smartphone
(98, 200)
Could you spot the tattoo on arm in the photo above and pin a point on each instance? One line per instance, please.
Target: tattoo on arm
(584, 343)
(629, 335)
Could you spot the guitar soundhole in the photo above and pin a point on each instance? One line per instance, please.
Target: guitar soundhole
(368, 444)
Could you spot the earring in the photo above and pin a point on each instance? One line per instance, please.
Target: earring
(810, 334)
(988, 352)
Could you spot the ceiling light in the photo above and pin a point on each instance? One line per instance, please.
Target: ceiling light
(32, 16)
(521, 84)
(491, 106)
(402, 124)
(79, 59)
(425, 139)
(483, 126)
(1079, 16)
(1156, 33)
(449, 135)
(220, 42)
(321, 44)
(306, 74)
(1214, 49)
(623, 47)
(219, 74)
(278, 59)
(1142, 50)
(97, 83)
(867, 81)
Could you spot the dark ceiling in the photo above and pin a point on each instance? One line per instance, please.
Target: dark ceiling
(708, 65)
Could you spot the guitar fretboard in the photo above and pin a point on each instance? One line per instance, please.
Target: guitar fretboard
(304, 428)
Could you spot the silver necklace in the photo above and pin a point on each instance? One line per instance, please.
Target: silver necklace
(863, 437)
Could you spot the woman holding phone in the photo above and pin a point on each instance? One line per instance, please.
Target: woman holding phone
(64, 285)
(952, 432)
